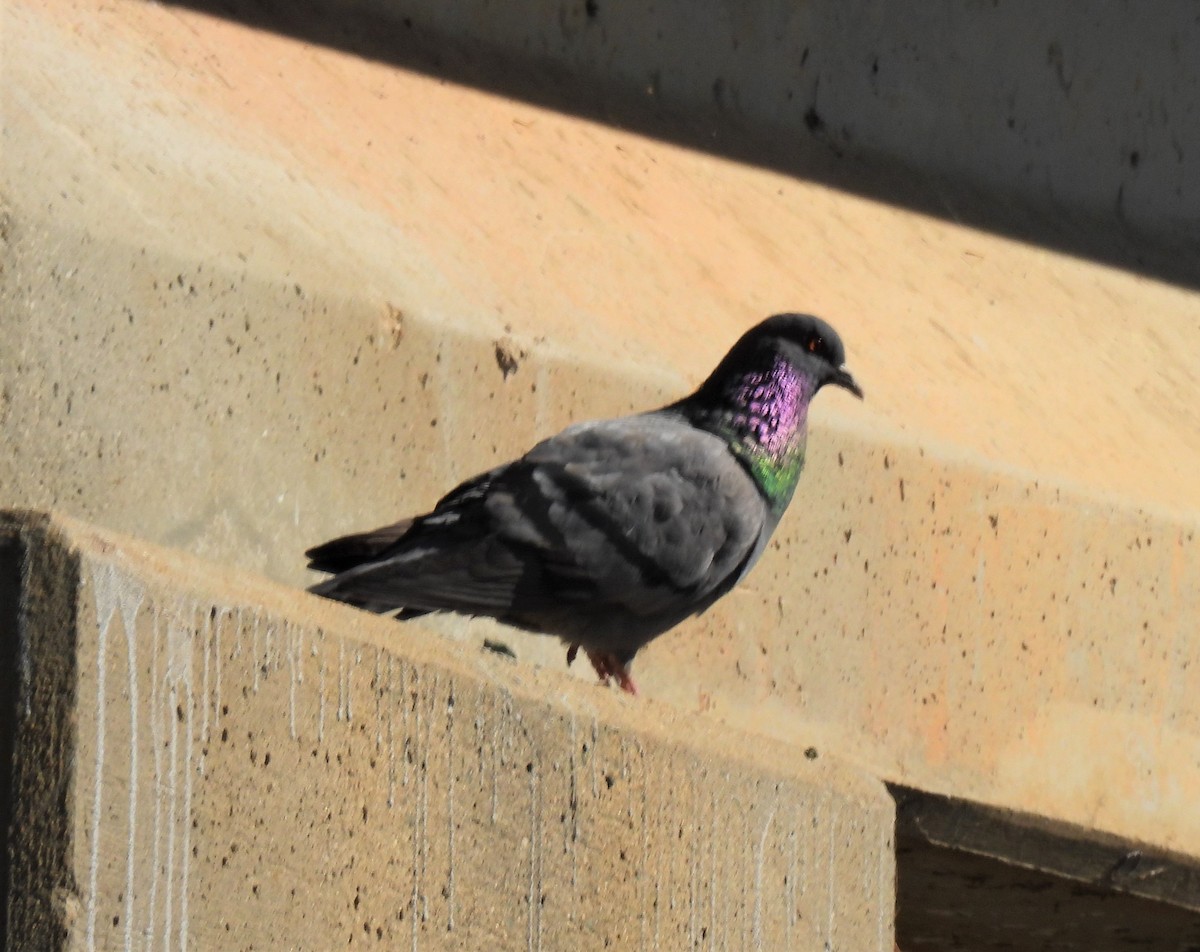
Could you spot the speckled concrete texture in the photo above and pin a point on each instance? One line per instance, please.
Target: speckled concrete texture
(241, 767)
(258, 291)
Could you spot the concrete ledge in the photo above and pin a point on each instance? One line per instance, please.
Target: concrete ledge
(212, 761)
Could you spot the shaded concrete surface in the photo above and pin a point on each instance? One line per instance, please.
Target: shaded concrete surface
(975, 878)
(258, 291)
(11, 561)
(240, 766)
(953, 901)
(1068, 852)
(1050, 124)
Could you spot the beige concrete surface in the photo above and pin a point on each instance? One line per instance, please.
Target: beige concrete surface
(242, 767)
(254, 291)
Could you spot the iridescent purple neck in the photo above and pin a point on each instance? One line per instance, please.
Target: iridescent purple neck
(769, 407)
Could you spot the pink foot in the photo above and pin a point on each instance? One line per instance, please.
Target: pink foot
(607, 666)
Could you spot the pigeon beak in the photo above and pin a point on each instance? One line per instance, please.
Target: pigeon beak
(841, 378)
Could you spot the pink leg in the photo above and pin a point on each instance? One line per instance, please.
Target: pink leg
(607, 666)
(625, 679)
(599, 661)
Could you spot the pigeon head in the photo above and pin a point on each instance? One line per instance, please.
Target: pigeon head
(805, 342)
(757, 399)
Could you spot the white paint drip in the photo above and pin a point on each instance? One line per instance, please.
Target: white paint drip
(424, 749)
(712, 871)
(637, 811)
(378, 691)
(254, 652)
(789, 895)
(172, 819)
(420, 831)
(480, 757)
(660, 820)
(393, 699)
(156, 738)
(104, 585)
(268, 646)
(493, 759)
(808, 854)
(205, 647)
(343, 708)
(110, 592)
(241, 625)
(223, 616)
(535, 865)
(293, 654)
(593, 758)
(321, 700)
(181, 635)
(760, 862)
(571, 830)
(830, 856)
(738, 849)
(341, 704)
(129, 611)
(693, 879)
(186, 855)
(406, 760)
(643, 885)
(501, 744)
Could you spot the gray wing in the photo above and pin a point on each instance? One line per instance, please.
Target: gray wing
(656, 515)
(608, 533)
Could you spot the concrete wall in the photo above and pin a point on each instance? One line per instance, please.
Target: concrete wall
(254, 293)
(233, 766)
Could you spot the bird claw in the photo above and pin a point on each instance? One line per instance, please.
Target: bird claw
(608, 666)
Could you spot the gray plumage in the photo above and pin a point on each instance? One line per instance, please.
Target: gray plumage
(605, 535)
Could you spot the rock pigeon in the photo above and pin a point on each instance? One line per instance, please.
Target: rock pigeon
(612, 532)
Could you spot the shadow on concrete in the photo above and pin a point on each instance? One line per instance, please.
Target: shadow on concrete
(977, 879)
(378, 31)
(11, 562)
(951, 900)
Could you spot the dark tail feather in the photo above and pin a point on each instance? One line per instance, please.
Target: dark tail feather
(335, 589)
(350, 551)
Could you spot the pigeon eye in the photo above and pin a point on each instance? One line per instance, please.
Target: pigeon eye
(815, 345)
